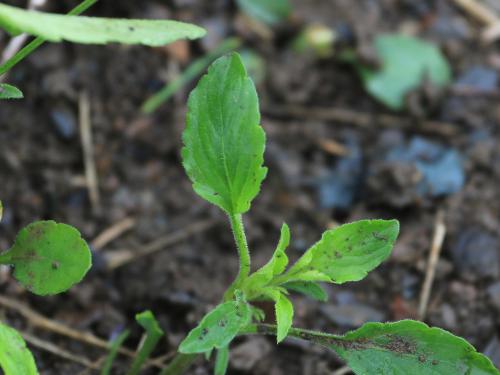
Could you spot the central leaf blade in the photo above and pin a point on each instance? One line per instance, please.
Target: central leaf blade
(223, 142)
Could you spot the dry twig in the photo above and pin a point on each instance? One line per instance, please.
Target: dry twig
(88, 151)
(437, 244)
(360, 119)
(56, 350)
(118, 259)
(111, 233)
(40, 321)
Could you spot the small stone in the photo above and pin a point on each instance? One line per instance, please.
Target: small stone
(494, 294)
(352, 315)
(476, 255)
(64, 121)
(479, 78)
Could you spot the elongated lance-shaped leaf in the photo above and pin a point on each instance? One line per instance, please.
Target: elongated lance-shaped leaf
(399, 348)
(10, 92)
(153, 334)
(15, 357)
(91, 30)
(221, 361)
(48, 257)
(258, 280)
(218, 328)
(284, 317)
(223, 142)
(113, 352)
(347, 253)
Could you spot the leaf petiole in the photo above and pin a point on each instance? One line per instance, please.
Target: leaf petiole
(238, 230)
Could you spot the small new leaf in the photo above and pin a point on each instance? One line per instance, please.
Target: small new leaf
(15, 357)
(48, 257)
(347, 253)
(218, 328)
(276, 266)
(79, 29)
(10, 92)
(409, 347)
(223, 142)
(308, 288)
(284, 317)
(147, 321)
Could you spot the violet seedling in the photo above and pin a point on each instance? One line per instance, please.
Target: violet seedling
(223, 156)
(48, 258)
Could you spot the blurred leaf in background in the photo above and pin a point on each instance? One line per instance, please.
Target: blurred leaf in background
(405, 63)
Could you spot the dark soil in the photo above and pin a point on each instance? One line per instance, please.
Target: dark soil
(140, 176)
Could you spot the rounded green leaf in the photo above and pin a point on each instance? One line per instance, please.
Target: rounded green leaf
(223, 142)
(48, 257)
(15, 357)
(79, 29)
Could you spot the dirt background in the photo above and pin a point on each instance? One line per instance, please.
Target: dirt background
(140, 177)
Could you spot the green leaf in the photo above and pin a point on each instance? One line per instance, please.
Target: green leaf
(15, 357)
(222, 361)
(79, 29)
(218, 328)
(223, 142)
(409, 347)
(346, 253)
(48, 257)
(113, 352)
(308, 288)
(406, 62)
(253, 285)
(270, 12)
(147, 321)
(10, 92)
(284, 317)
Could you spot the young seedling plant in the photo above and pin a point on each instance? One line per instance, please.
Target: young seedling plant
(48, 258)
(223, 156)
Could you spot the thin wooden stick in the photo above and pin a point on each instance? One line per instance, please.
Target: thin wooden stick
(360, 119)
(437, 244)
(42, 322)
(56, 350)
(88, 151)
(479, 11)
(120, 258)
(111, 233)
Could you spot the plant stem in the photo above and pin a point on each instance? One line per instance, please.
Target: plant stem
(179, 364)
(38, 41)
(243, 253)
(182, 362)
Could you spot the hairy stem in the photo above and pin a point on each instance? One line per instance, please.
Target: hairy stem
(243, 253)
(38, 41)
